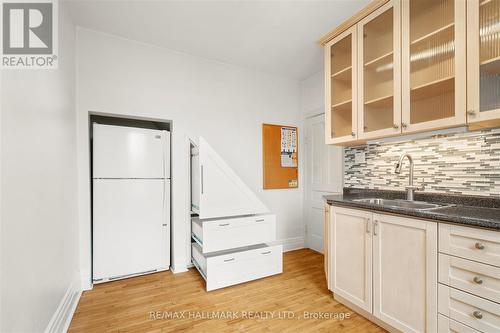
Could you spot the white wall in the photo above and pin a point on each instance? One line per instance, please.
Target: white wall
(312, 95)
(38, 205)
(225, 104)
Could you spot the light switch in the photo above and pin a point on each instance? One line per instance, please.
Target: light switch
(360, 157)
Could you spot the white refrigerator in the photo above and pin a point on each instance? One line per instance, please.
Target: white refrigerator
(130, 202)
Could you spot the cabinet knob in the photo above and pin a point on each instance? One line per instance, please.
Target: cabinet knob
(353, 134)
(404, 125)
(478, 280)
(477, 314)
(479, 246)
(471, 112)
(395, 126)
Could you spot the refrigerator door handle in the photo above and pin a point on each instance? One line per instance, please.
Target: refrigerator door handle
(164, 202)
(201, 179)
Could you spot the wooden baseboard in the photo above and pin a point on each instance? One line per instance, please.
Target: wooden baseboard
(61, 319)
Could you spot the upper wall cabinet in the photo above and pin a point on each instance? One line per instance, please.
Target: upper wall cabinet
(379, 73)
(341, 97)
(404, 66)
(433, 64)
(483, 37)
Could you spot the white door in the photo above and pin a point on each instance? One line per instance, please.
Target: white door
(351, 256)
(405, 273)
(130, 152)
(324, 175)
(130, 227)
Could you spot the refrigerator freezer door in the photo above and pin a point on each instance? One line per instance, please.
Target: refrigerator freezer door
(129, 152)
(131, 223)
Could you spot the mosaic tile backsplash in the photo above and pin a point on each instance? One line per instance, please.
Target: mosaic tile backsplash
(461, 163)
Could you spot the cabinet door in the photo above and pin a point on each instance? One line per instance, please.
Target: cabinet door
(433, 64)
(341, 98)
(351, 256)
(483, 47)
(379, 60)
(326, 243)
(405, 273)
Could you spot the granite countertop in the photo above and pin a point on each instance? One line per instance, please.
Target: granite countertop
(475, 211)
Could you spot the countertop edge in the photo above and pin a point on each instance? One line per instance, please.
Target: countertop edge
(427, 215)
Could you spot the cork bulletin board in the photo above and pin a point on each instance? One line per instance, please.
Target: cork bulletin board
(280, 156)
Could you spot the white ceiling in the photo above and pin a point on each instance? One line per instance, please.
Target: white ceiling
(277, 37)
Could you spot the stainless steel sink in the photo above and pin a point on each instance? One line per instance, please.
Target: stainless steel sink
(418, 205)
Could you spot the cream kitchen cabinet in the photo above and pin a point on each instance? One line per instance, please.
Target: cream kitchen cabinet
(386, 266)
(326, 243)
(379, 72)
(351, 256)
(433, 64)
(362, 78)
(400, 66)
(483, 63)
(341, 123)
(405, 272)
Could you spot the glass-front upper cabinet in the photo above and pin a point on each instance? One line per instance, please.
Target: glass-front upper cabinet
(341, 103)
(379, 72)
(483, 63)
(433, 64)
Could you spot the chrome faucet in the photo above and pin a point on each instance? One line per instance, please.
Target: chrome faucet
(410, 189)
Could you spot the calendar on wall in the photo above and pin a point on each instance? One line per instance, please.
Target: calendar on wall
(280, 156)
(288, 147)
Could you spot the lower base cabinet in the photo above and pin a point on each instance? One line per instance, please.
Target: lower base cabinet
(387, 266)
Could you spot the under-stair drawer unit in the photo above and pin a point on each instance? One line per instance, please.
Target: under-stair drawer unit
(470, 276)
(470, 243)
(229, 233)
(470, 310)
(226, 268)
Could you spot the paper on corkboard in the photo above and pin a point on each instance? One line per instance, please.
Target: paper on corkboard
(280, 156)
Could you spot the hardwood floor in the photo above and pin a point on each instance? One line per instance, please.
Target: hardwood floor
(131, 305)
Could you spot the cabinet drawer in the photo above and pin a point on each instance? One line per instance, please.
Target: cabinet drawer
(226, 268)
(473, 311)
(223, 234)
(447, 325)
(470, 243)
(470, 276)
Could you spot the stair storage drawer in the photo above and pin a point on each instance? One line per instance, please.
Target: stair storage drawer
(470, 243)
(230, 233)
(470, 276)
(470, 310)
(447, 325)
(226, 268)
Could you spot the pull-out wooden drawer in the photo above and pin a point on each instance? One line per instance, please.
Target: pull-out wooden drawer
(470, 276)
(470, 243)
(226, 268)
(473, 311)
(230, 233)
(447, 325)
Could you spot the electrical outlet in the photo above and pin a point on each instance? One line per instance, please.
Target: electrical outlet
(360, 157)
